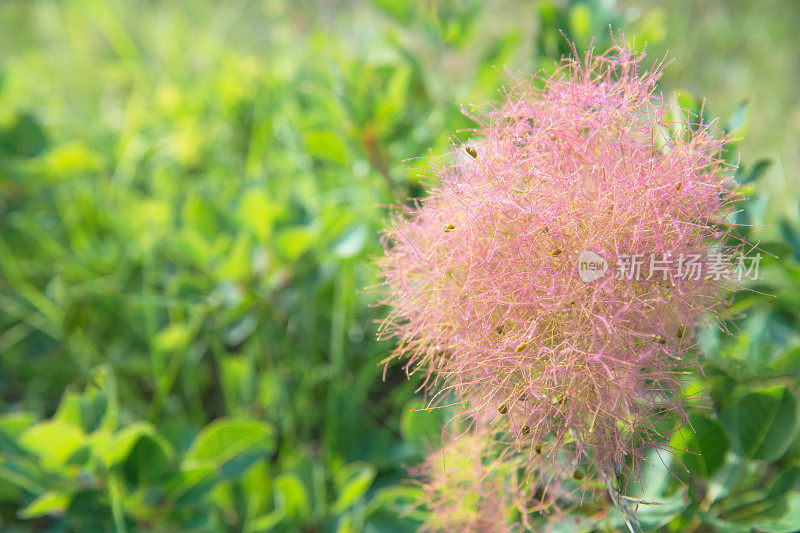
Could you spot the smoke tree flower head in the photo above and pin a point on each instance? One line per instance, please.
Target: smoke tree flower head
(470, 484)
(476, 481)
(481, 279)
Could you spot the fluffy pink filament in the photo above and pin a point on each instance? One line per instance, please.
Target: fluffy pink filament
(481, 275)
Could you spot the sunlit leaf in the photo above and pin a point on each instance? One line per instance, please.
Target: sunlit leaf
(356, 480)
(52, 440)
(49, 503)
(325, 145)
(702, 444)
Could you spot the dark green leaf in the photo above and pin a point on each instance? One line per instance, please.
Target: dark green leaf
(231, 445)
(765, 423)
(702, 446)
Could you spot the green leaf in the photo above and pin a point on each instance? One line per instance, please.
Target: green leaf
(654, 516)
(758, 509)
(89, 511)
(25, 475)
(231, 445)
(742, 506)
(725, 480)
(761, 166)
(190, 485)
(702, 446)
(419, 427)
(295, 241)
(779, 249)
(174, 337)
(70, 409)
(49, 503)
(25, 138)
(325, 145)
(765, 423)
(399, 499)
(199, 215)
(651, 487)
(258, 212)
(13, 424)
(738, 119)
(291, 496)
(788, 361)
(721, 526)
(266, 522)
(52, 440)
(655, 476)
(354, 480)
(149, 460)
(782, 517)
(123, 442)
(788, 480)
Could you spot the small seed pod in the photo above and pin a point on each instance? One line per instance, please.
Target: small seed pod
(471, 152)
(503, 409)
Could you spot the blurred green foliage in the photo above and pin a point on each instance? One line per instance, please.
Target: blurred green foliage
(190, 194)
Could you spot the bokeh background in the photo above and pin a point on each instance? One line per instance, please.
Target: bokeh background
(190, 197)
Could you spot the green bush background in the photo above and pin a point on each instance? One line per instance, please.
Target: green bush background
(190, 195)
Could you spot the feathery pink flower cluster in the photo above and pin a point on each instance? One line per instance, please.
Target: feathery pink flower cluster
(472, 484)
(482, 275)
(470, 487)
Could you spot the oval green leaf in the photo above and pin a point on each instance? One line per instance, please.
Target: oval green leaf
(765, 423)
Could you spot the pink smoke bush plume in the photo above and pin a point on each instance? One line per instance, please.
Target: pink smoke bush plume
(468, 486)
(473, 482)
(481, 275)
